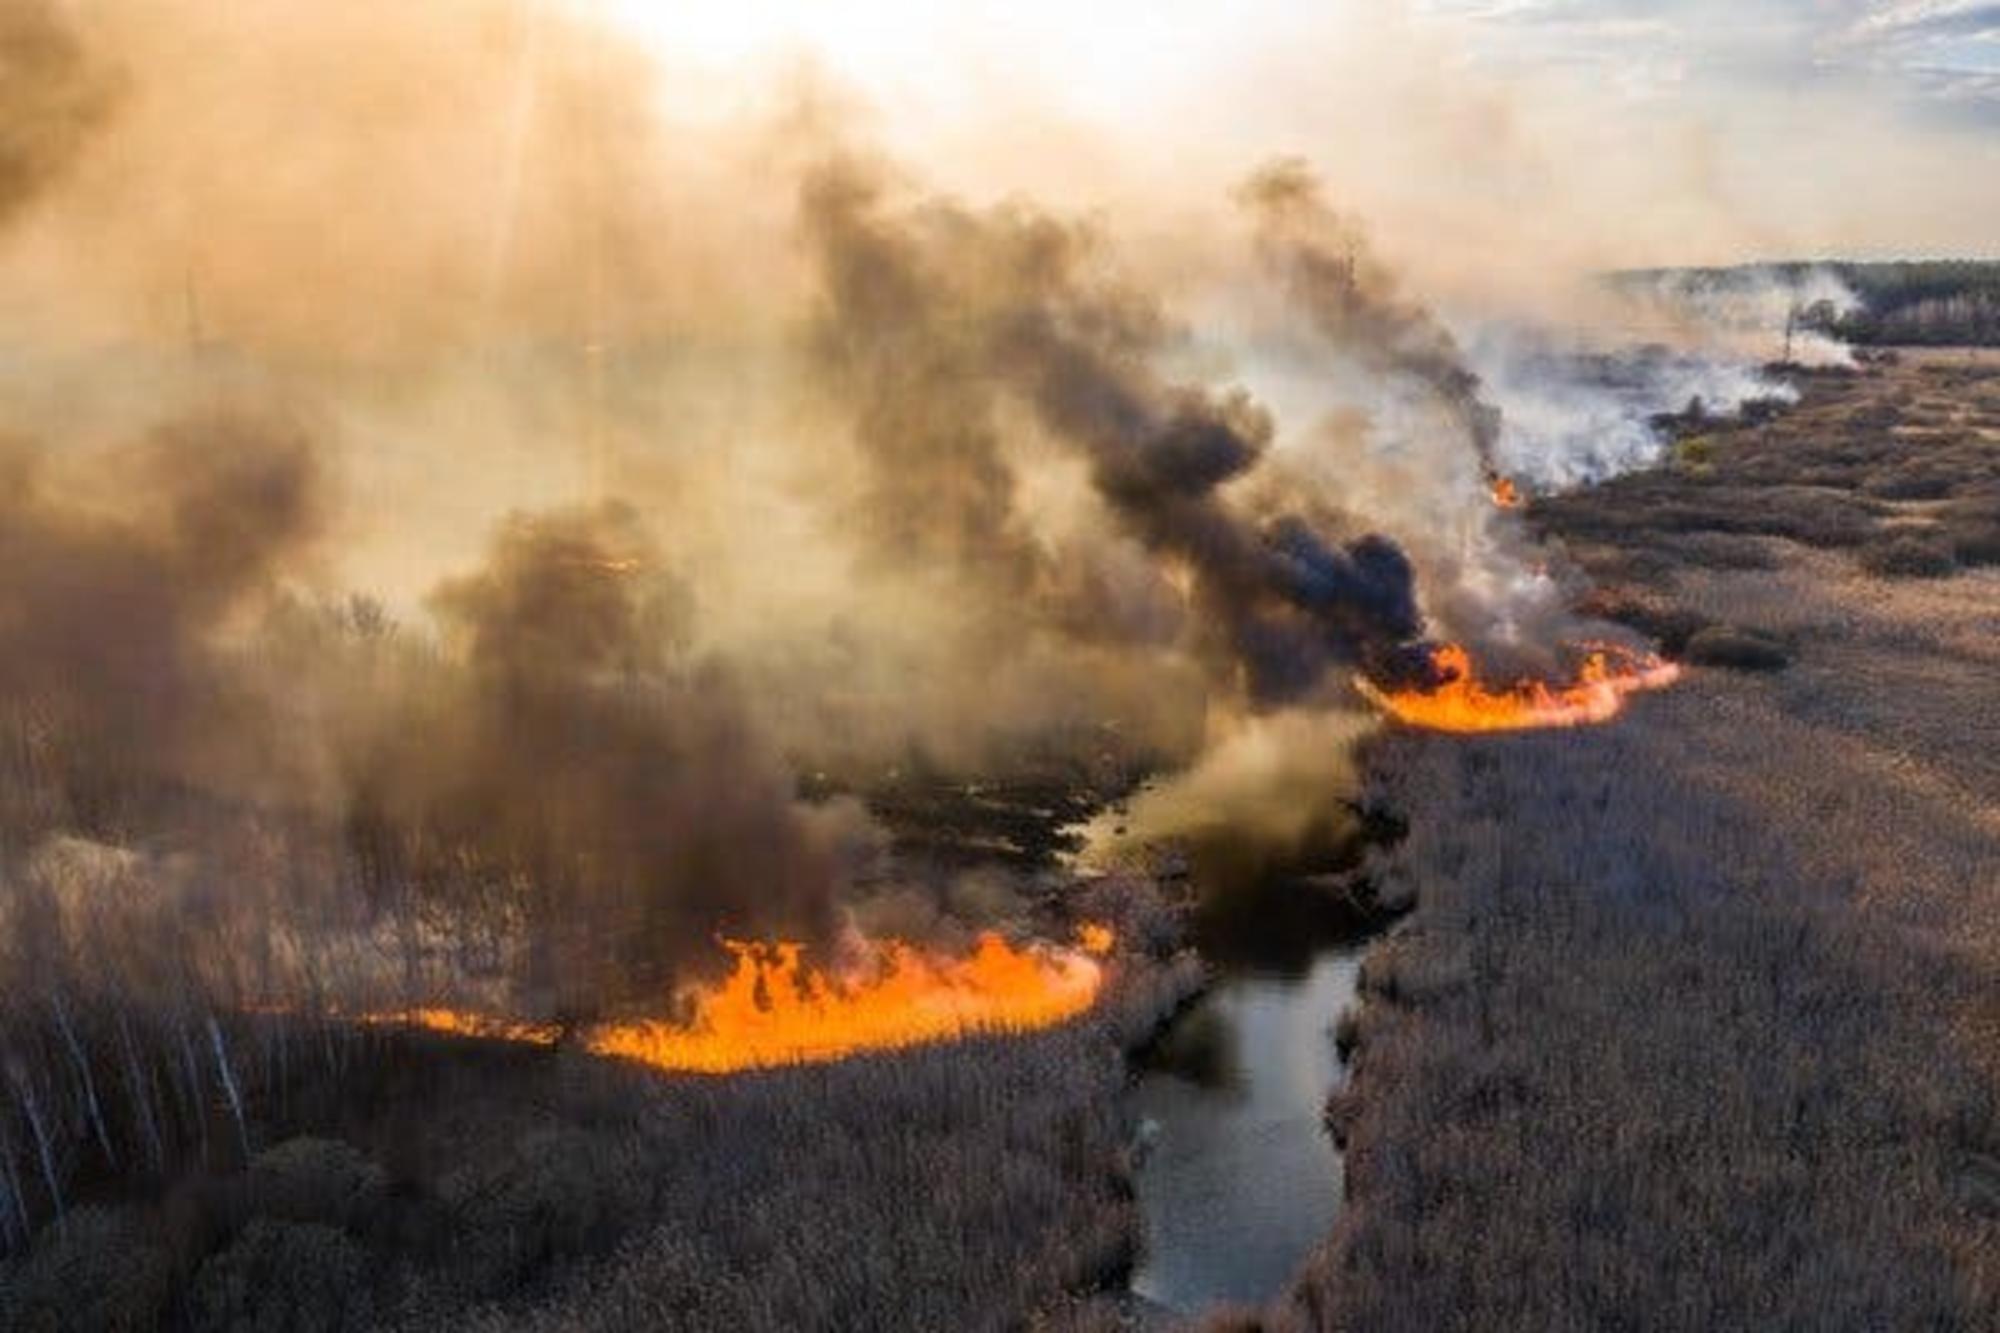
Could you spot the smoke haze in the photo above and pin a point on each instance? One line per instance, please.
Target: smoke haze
(446, 444)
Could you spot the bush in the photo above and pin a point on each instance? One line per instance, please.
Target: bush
(1912, 481)
(283, 1277)
(1974, 541)
(1668, 625)
(1737, 650)
(1695, 452)
(1908, 556)
(1723, 550)
(1971, 526)
(316, 1180)
(552, 1195)
(97, 1271)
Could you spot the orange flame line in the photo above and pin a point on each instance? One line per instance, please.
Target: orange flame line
(1609, 674)
(773, 1009)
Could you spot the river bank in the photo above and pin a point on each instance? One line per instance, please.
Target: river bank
(1236, 1178)
(1693, 1028)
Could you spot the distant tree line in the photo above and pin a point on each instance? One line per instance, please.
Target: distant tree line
(1953, 302)
(1933, 302)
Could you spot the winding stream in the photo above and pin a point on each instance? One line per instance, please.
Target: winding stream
(1241, 1179)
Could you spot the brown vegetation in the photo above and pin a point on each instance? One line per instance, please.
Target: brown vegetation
(430, 1182)
(1693, 1028)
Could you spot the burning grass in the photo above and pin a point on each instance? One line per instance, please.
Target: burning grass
(774, 1008)
(1693, 1026)
(454, 1171)
(1462, 701)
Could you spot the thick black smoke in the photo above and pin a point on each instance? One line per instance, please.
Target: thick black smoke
(1027, 317)
(1354, 303)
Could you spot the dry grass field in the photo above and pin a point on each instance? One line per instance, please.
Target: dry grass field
(1697, 1024)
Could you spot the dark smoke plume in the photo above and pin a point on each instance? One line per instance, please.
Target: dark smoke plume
(1354, 303)
(1031, 318)
(118, 582)
(895, 340)
(582, 808)
(567, 752)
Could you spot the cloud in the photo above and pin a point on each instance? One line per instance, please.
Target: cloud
(1964, 18)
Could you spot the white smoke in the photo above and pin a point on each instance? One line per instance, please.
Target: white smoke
(1760, 312)
(1574, 413)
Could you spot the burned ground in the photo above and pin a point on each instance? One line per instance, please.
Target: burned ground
(1694, 1025)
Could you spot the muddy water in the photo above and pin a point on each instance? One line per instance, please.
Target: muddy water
(1241, 1180)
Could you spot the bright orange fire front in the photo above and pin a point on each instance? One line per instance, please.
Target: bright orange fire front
(1505, 493)
(1463, 703)
(774, 1010)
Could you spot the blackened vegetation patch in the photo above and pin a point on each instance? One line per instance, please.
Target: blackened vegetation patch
(1020, 817)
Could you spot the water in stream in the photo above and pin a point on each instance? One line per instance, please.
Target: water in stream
(1241, 1180)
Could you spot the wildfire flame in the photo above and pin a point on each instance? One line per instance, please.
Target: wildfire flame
(465, 1023)
(775, 1009)
(1462, 702)
(1505, 493)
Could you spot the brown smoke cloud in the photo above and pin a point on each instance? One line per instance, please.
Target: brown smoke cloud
(569, 744)
(53, 97)
(536, 480)
(944, 312)
(122, 571)
(1353, 300)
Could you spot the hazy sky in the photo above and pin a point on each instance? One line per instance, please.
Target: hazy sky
(1927, 59)
(1723, 129)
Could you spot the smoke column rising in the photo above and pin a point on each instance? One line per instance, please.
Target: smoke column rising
(498, 496)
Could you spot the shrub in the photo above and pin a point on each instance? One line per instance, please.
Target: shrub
(98, 1269)
(552, 1194)
(316, 1180)
(1911, 481)
(1909, 556)
(1737, 650)
(1974, 541)
(1666, 624)
(1972, 527)
(1696, 452)
(283, 1277)
(1723, 550)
